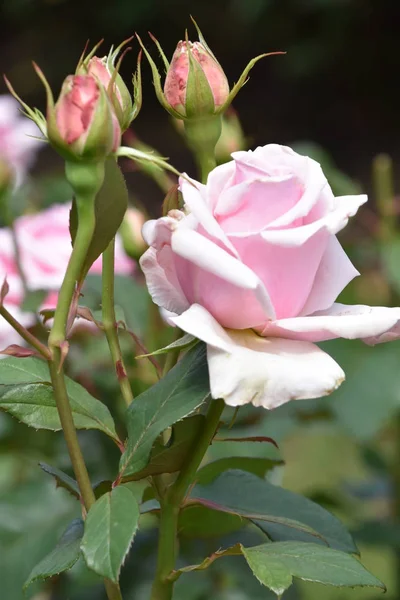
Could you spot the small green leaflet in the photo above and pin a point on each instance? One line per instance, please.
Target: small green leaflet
(176, 396)
(276, 564)
(27, 394)
(63, 557)
(110, 527)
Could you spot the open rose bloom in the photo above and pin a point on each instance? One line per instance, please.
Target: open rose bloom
(252, 267)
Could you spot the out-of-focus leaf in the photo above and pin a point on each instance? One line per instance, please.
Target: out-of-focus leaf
(370, 395)
(110, 527)
(247, 495)
(34, 403)
(170, 458)
(33, 300)
(110, 207)
(257, 466)
(32, 518)
(276, 564)
(63, 557)
(177, 395)
(62, 479)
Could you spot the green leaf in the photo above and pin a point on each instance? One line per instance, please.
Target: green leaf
(177, 395)
(275, 564)
(33, 401)
(28, 370)
(257, 466)
(110, 527)
(183, 343)
(62, 479)
(202, 522)
(247, 495)
(110, 207)
(371, 389)
(63, 557)
(170, 458)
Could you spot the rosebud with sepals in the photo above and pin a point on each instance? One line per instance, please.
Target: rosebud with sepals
(106, 70)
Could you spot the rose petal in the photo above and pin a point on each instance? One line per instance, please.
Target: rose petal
(375, 324)
(194, 194)
(203, 253)
(335, 271)
(252, 205)
(217, 181)
(246, 368)
(161, 279)
(287, 273)
(201, 324)
(335, 221)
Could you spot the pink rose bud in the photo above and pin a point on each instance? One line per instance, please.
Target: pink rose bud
(83, 123)
(104, 71)
(193, 79)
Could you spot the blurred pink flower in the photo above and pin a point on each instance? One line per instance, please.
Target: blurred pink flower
(45, 247)
(253, 268)
(17, 148)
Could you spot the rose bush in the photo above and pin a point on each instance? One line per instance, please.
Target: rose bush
(252, 267)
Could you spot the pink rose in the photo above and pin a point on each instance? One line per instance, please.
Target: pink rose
(17, 146)
(15, 296)
(253, 267)
(45, 247)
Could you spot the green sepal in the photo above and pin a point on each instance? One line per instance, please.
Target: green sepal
(243, 80)
(199, 101)
(157, 83)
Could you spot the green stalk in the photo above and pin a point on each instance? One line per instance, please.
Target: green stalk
(202, 136)
(84, 234)
(109, 322)
(70, 435)
(86, 180)
(171, 504)
(25, 334)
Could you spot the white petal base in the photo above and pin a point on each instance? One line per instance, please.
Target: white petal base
(268, 372)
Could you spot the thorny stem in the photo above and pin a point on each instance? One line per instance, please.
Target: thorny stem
(109, 322)
(25, 334)
(171, 504)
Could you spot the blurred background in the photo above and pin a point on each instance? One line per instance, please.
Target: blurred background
(333, 96)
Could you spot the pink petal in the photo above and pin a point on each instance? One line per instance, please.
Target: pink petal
(159, 270)
(287, 273)
(334, 273)
(246, 368)
(374, 324)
